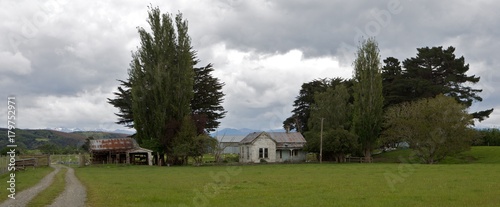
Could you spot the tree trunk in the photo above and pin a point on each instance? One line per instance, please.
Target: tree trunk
(368, 154)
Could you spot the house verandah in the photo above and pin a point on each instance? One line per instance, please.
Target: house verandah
(272, 147)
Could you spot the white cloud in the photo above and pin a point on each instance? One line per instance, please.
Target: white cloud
(14, 63)
(261, 86)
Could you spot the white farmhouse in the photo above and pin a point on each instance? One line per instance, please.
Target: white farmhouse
(272, 147)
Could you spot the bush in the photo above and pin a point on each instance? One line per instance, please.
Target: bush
(231, 158)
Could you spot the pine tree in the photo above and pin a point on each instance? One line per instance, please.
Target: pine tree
(123, 102)
(208, 96)
(432, 72)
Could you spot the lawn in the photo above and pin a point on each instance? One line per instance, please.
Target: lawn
(375, 184)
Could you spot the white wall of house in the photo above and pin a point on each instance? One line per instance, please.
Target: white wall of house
(253, 152)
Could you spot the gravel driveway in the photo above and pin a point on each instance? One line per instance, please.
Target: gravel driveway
(74, 194)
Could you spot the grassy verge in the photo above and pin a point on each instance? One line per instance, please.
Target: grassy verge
(24, 179)
(375, 184)
(47, 196)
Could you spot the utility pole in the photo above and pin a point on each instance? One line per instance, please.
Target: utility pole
(321, 142)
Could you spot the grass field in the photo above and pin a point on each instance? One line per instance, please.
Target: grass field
(375, 184)
(24, 179)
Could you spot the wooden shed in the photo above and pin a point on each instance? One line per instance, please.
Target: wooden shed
(119, 150)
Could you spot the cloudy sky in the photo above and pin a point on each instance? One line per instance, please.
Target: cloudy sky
(61, 58)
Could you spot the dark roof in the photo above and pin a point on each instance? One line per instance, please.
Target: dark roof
(282, 139)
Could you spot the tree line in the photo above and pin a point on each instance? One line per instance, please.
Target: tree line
(174, 104)
(424, 102)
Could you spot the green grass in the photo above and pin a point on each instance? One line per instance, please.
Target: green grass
(47, 196)
(375, 184)
(24, 179)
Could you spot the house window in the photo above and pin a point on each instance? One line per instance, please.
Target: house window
(281, 154)
(295, 152)
(263, 153)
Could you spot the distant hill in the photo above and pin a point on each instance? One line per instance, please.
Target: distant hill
(70, 130)
(101, 135)
(34, 138)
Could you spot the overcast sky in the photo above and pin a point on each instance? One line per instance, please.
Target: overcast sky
(62, 58)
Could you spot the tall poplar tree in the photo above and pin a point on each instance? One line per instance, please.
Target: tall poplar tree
(161, 77)
(368, 98)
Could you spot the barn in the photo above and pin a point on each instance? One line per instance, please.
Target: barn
(119, 150)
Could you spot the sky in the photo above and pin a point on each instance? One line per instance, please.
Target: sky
(61, 59)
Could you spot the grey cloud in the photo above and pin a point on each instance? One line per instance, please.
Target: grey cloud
(83, 47)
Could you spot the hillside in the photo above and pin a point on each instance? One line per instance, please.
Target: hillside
(34, 138)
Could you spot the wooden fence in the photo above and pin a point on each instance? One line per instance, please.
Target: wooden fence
(32, 160)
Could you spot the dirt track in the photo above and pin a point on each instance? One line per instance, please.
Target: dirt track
(74, 194)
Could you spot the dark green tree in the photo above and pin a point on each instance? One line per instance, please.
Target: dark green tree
(208, 96)
(183, 142)
(206, 105)
(123, 102)
(432, 72)
(488, 137)
(368, 97)
(163, 86)
(335, 108)
(50, 148)
(161, 76)
(86, 145)
(303, 102)
(394, 84)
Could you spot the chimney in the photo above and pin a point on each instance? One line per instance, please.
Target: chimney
(287, 128)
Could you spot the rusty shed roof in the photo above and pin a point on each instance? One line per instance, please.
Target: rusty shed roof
(116, 144)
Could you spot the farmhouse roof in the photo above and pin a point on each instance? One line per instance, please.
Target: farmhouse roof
(230, 138)
(282, 139)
